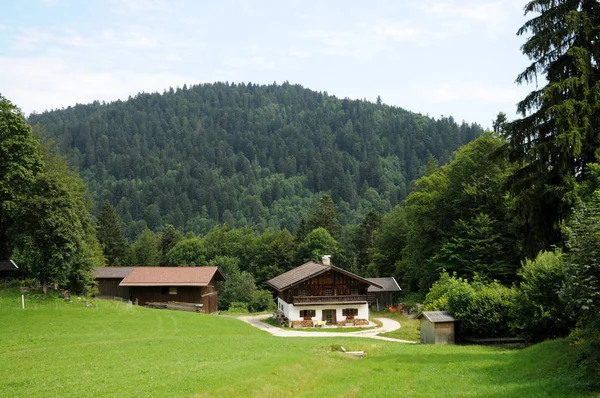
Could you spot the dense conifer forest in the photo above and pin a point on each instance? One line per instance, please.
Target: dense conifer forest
(247, 155)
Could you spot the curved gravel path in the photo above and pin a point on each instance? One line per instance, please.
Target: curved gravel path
(388, 325)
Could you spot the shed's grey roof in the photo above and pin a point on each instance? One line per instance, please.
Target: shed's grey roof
(306, 271)
(437, 316)
(387, 285)
(112, 272)
(8, 265)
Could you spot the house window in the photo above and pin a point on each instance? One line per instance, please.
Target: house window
(350, 312)
(354, 291)
(301, 292)
(329, 291)
(307, 314)
(173, 290)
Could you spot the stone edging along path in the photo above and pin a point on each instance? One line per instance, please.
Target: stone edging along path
(388, 325)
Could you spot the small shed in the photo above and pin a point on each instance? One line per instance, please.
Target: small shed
(437, 327)
(382, 296)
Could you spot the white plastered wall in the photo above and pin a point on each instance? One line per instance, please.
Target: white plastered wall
(293, 313)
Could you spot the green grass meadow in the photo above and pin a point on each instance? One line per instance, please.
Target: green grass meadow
(53, 348)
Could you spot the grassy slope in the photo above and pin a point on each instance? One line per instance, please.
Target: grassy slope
(409, 327)
(70, 350)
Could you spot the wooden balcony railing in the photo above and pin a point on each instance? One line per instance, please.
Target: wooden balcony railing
(306, 300)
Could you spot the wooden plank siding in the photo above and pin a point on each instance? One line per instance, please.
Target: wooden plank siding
(380, 300)
(437, 333)
(109, 287)
(205, 295)
(444, 333)
(342, 288)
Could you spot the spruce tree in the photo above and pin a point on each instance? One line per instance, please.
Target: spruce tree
(557, 136)
(110, 235)
(325, 216)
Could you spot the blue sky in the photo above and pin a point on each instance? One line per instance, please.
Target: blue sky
(435, 57)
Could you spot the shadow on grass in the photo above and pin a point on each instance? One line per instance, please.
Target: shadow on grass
(544, 370)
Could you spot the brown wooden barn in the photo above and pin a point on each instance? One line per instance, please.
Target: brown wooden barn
(382, 297)
(109, 278)
(437, 327)
(182, 284)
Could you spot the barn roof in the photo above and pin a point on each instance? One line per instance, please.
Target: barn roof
(170, 276)
(112, 272)
(387, 285)
(437, 316)
(307, 271)
(8, 265)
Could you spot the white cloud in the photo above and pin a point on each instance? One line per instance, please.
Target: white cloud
(453, 17)
(137, 6)
(52, 82)
(255, 61)
(401, 31)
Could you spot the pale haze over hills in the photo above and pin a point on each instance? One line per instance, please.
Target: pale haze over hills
(439, 57)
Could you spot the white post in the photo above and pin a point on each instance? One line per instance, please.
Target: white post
(23, 301)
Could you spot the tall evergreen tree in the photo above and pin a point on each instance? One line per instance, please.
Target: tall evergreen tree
(110, 235)
(558, 135)
(325, 216)
(365, 241)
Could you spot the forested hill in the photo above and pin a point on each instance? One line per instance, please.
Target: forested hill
(246, 154)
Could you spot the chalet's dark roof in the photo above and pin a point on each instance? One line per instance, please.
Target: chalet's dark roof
(387, 285)
(170, 276)
(437, 316)
(307, 271)
(112, 272)
(8, 265)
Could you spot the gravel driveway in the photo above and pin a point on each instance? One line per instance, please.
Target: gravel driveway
(388, 325)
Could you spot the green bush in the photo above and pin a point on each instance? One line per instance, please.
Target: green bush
(238, 307)
(481, 309)
(587, 344)
(540, 312)
(262, 300)
(449, 294)
(488, 314)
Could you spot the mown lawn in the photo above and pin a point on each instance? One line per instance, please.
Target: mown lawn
(54, 348)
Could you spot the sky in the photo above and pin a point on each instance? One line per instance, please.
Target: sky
(455, 58)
